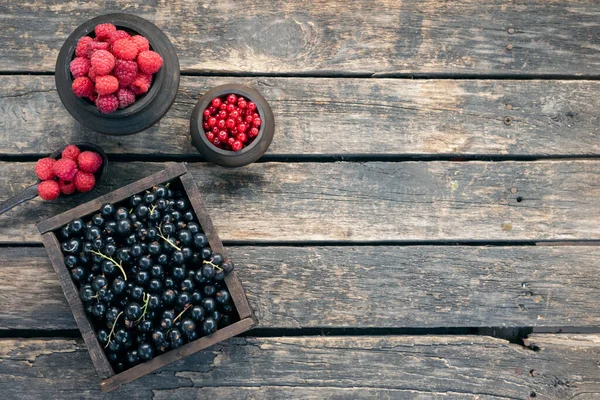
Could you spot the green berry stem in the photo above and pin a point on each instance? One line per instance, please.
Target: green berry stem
(112, 330)
(145, 308)
(213, 265)
(181, 313)
(111, 260)
(168, 240)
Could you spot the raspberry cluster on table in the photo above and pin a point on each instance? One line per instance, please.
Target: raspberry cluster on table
(74, 171)
(147, 276)
(231, 122)
(113, 68)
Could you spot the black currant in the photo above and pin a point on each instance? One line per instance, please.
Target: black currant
(181, 204)
(92, 233)
(98, 310)
(160, 191)
(222, 296)
(136, 293)
(196, 297)
(209, 290)
(169, 283)
(179, 273)
(137, 250)
(166, 323)
(133, 311)
(70, 260)
(154, 248)
(123, 254)
(86, 293)
(177, 257)
(131, 239)
(76, 226)
(122, 336)
(99, 282)
(197, 313)
(107, 210)
(185, 237)
(206, 253)
(169, 296)
(208, 271)
(78, 274)
(154, 302)
(155, 285)
(124, 227)
(163, 259)
(121, 213)
(118, 286)
(114, 346)
(209, 325)
(227, 266)
(188, 216)
(145, 263)
(209, 304)
(199, 240)
(175, 216)
(188, 327)
(102, 336)
(149, 198)
(142, 278)
(71, 246)
(65, 233)
(158, 337)
(183, 299)
(133, 358)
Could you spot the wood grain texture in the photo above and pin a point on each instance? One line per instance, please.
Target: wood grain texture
(362, 202)
(341, 117)
(279, 367)
(332, 37)
(364, 287)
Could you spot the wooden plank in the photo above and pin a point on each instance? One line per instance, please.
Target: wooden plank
(364, 202)
(364, 287)
(341, 116)
(395, 367)
(332, 37)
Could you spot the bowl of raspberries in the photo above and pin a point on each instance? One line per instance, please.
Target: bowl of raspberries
(117, 74)
(74, 169)
(232, 125)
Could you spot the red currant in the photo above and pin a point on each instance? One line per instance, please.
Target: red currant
(251, 106)
(223, 136)
(242, 103)
(242, 127)
(255, 115)
(223, 107)
(206, 113)
(233, 131)
(253, 132)
(216, 102)
(249, 119)
(214, 130)
(257, 122)
(240, 120)
(221, 124)
(222, 115)
(210, 136)
(212, 110)
(216, 142)
(236, 146)
(230, 108)
(212, 121)
(230, 123)
(232, 98)
(234, 114)
(205, 126)
(242, 137)
(230, 141)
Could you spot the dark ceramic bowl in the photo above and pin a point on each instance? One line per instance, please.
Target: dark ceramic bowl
(248, 154)
(148, 109)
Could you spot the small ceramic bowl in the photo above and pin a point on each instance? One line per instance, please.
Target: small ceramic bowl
(229, 158)
(148, 109)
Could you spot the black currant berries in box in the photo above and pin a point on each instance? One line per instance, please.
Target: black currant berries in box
(146, 275)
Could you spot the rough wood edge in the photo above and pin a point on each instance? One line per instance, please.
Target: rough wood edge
(136, 372)
(233, 282)
(97, 355)
(59, 220)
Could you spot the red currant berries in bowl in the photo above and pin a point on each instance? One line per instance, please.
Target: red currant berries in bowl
(232, 125)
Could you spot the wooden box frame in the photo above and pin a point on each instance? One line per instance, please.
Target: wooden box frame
(111, 380)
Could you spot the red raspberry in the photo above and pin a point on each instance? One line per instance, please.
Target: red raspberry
(107, 103)
(67, 187)
(141, 43)
(141, 84)
(125, 49)
(82, 87)
(103, 62)
(95, 45)
(48, 190)
(82, 46)
(84, 181)
(65, 169)
(149, 61)
(43, 168)
(92, 74)
(103, 31)
(79, 66)
(116, 35)
(125, 71)
(126, 97)
(106, 84)
(71, 151)
(89, 161)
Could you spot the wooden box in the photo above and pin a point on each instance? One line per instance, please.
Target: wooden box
(111, 380)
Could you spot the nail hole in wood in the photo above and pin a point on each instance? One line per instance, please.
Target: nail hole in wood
(532, 394)
(507, 120)
(508, 106)
(509, 46)
(514, 190)
(532, 372)
(511, 30)
(519, 199)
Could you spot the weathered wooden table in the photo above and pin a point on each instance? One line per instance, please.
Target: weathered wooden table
(425, 223)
